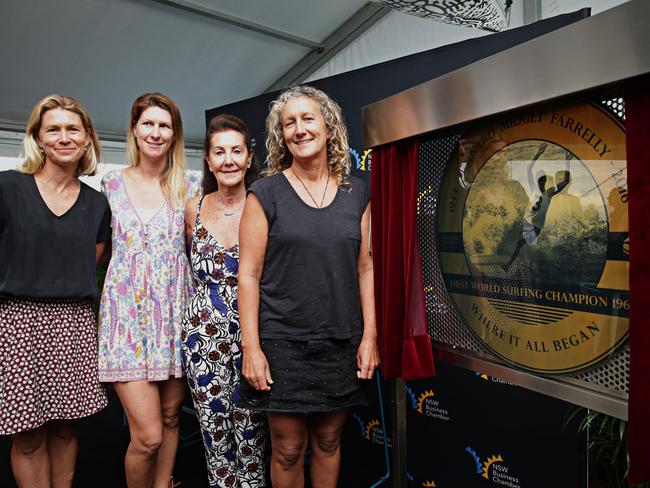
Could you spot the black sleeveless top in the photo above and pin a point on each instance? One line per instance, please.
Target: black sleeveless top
(309, 287)
(45, 256)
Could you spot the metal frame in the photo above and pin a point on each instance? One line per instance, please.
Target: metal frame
(319, 52)
(215, 14)
(532, 11)
(594, 52)
(351, 29)
(571, 390)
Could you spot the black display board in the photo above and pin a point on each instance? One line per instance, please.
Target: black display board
(467, 429)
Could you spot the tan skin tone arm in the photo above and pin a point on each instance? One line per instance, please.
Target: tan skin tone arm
(367, 354)
(253, 235)
(190, 219)
(102, 252)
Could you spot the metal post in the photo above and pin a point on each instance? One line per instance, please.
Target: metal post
(398, 432)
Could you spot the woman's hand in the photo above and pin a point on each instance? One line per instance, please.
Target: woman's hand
(255, 369)
(367, 358)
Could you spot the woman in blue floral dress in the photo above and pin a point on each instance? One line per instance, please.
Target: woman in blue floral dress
(234, 438)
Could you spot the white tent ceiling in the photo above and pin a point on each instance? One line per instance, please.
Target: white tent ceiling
(202, 53)
(107, 52)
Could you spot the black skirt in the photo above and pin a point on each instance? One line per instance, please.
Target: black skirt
(308, 376)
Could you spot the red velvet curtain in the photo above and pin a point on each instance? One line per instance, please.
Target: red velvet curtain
(637, 114)
(404, 342)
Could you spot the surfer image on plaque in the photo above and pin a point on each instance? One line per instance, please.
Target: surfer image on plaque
(533, 213)
(543, 191)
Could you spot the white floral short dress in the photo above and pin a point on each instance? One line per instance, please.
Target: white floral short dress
(145, 293)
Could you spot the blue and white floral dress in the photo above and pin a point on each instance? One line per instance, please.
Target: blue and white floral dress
(234, 438)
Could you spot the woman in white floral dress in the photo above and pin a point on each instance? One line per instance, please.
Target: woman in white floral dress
(146, 288)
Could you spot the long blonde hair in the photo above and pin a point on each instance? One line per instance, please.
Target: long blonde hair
(279, 157)
(172, 179)
(34, 158)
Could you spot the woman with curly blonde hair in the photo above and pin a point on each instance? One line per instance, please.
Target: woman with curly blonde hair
(306, 297)
(338, 156)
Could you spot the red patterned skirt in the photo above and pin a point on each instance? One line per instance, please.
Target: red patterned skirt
(48, 362)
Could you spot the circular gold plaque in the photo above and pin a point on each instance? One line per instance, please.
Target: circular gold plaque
(532, 236)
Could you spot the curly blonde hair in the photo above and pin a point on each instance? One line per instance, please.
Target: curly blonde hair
(279, 157)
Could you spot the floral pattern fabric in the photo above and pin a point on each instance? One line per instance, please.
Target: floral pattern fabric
(48, 362)
(146, 289)
(233, 437)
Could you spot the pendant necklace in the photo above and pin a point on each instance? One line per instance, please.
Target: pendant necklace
(307, 189)
(229, 214)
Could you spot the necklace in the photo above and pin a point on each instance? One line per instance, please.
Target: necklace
(309, 193)
(229, 214)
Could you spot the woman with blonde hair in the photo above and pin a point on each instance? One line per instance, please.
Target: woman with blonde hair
(306, 297)
(53, 231)
(146, 288)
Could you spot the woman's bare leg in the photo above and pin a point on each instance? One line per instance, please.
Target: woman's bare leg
(62, 446)
(325, 441)
(141, 402)
(172, 393)
(289, 437)
(30, 462)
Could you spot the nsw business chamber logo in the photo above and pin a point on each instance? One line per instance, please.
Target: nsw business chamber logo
(371, 430)
(361, 162)
(493, 379)
(425, 403)
(494, 469)
(424, 484)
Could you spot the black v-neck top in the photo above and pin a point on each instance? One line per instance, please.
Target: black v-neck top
(43, 255)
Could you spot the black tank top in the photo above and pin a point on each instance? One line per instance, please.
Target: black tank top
(309, 287)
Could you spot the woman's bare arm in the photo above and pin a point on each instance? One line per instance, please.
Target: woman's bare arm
(368, 353)
(102, 252)
(253, 236)
(190, 219)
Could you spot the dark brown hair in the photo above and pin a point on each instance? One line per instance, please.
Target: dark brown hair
(223, 123)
